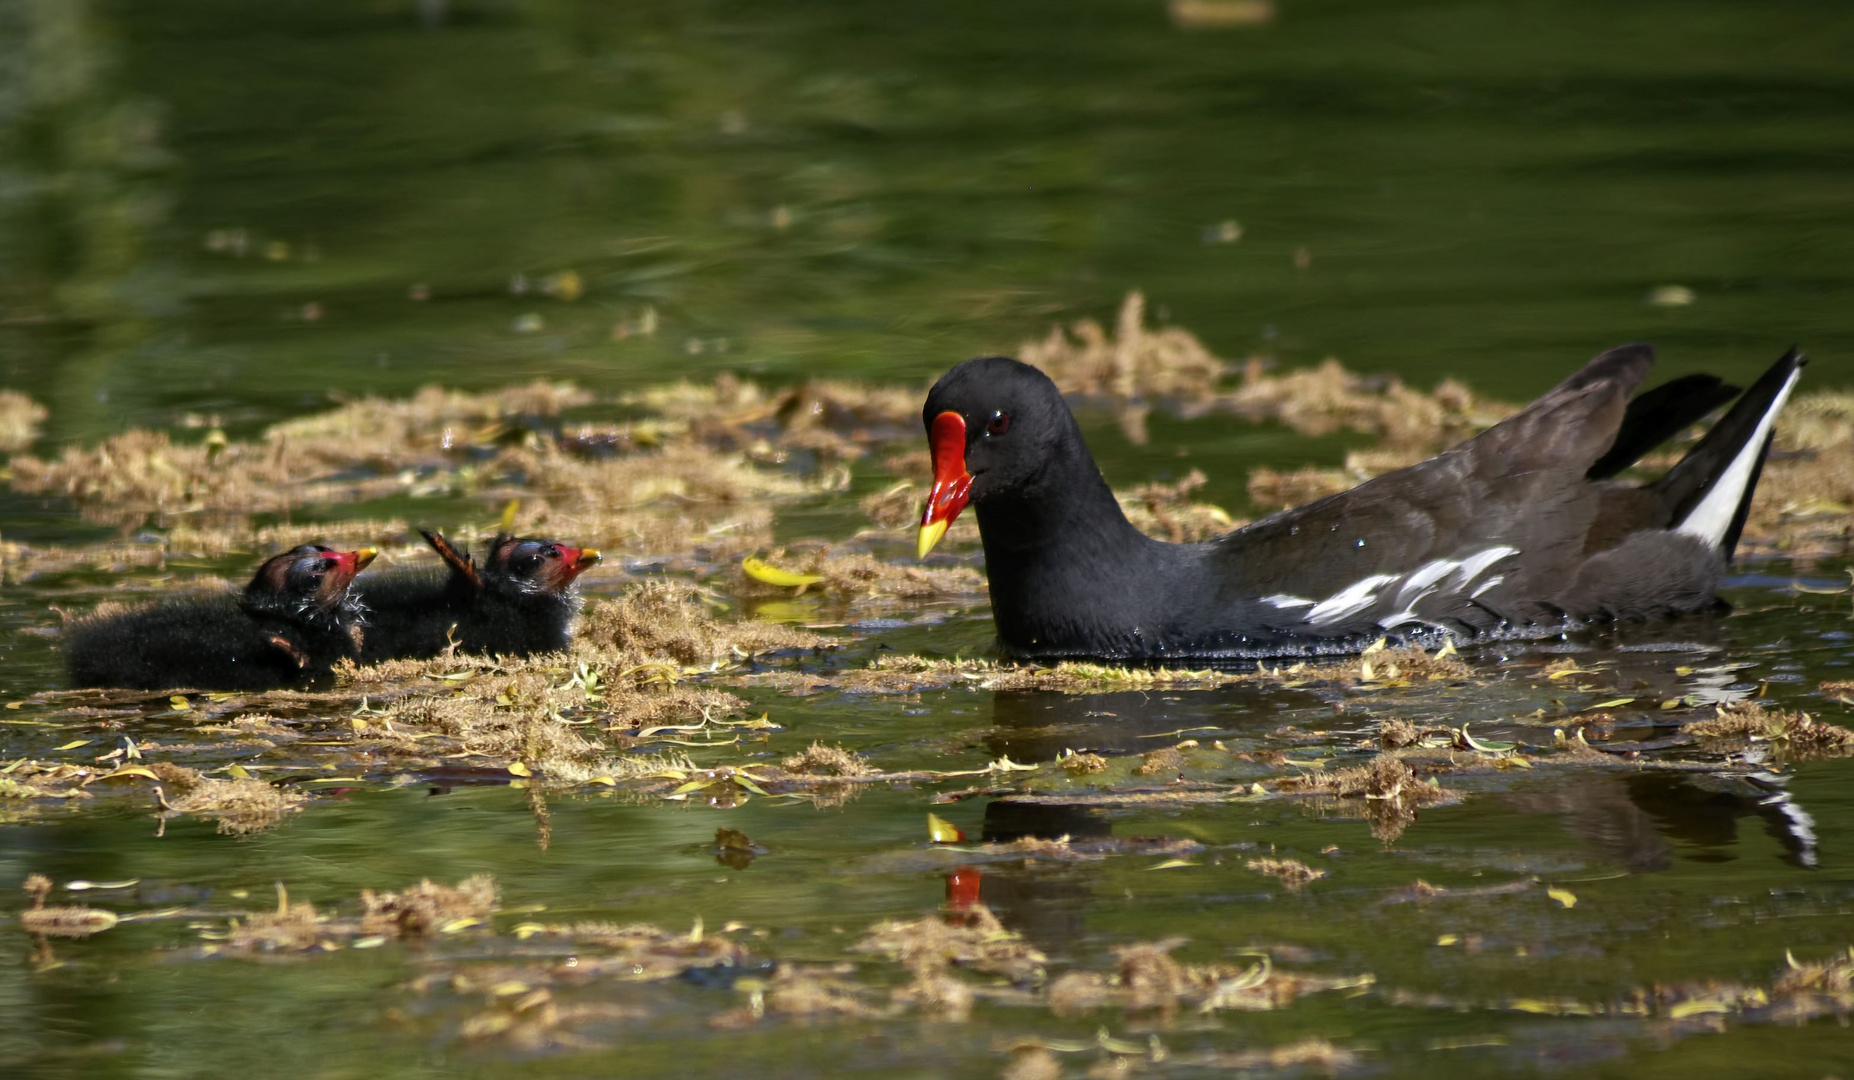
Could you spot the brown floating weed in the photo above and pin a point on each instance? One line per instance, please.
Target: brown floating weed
(1796, 732)
(1290, 872)
(73, 920)
(20, 417)
(427, 908)
(1165, 761)
(970, 938)
(242, 805)
(1137, 362)
(665, 619)
(1814, 988)
(820, 760)
(1168, 512)
(1147, 978)
(293, 927)
(1390, 788)
(1271, 489)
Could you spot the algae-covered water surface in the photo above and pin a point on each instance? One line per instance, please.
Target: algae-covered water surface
(671, 280)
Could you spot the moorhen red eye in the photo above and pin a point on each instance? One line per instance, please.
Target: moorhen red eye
(288, 627)
(521, 600)
(1522, 529)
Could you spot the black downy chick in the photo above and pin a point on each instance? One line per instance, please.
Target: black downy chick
(520, 601)
(288, 627)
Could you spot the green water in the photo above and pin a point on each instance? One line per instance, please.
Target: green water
(239, 210)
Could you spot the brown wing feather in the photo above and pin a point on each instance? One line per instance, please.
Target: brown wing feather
(1519, 483)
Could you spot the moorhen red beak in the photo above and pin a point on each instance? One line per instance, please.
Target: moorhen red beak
(1520, 530)
(951, 482)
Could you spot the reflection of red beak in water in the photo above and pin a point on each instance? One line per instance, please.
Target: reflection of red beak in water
(951, 482)
(962, 888)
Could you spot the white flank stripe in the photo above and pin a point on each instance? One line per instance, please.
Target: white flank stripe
(1475, 564)
(1423, 577)
(1488, 584)
(1283, 600)
(1713, 516)
(1351, 600)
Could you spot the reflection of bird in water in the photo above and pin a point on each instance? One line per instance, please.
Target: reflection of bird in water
(1049, 904)
(1640, 820)
(1038, 725)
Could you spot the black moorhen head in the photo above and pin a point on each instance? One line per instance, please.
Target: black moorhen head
(1520, 530)
(520, 601)
(295, 620)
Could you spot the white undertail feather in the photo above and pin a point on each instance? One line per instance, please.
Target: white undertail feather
(1712, 518)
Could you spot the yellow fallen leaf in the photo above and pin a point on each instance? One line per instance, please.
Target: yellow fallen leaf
(1172, 864)
(605, 780)
(1609, 704)
(1563, 896)
(762, 571)
(1448, 939)
(942, 831)
(74, 744)
(132, 770)
(516, 768)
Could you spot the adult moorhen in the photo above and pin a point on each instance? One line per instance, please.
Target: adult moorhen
(520, 601)
(1521, 529)
(288, 627)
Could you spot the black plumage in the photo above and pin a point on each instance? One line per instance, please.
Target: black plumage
(1517, 530)
(520, 601)
(288, 627)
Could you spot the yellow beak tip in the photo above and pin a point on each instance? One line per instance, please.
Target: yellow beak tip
(929, 536)
(363, 557)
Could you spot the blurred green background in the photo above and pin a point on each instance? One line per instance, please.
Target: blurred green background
(235, 208)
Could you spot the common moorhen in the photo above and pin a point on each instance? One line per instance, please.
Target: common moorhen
(520, 601)
(288, 627)
(1521, 529)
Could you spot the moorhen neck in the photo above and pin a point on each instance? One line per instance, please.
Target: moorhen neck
(1519, 530)
(520, 601)
(290, 626)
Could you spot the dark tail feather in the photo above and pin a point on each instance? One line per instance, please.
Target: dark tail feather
(1709, 491)
(1658, 415)
(459, 562)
